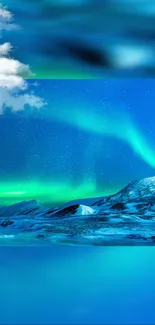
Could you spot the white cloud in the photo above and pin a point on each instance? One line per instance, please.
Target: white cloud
(6, 18)
(5, 49)
(5, 14)
(11, 81)
(12, 71)
(13, 67)
(17, 102)
(13, 74)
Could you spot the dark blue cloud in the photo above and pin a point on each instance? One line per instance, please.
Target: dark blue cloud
(92, 33)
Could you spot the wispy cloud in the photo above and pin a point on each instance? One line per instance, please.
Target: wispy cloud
(17, 102)
(6, 19)
(13, 86)
(5, 49)
(5, 14)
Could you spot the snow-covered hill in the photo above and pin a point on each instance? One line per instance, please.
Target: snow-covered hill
(128, 217)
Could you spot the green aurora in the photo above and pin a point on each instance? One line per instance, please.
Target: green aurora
(47, 192)
(77, 146)
(116, 125)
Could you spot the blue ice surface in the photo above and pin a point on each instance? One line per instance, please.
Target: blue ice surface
(77, 285)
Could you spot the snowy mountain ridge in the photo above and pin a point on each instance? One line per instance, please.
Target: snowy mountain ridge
(127, 217)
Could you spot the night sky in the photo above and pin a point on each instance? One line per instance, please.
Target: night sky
(90, 138)
(66, 139)
(63, 139)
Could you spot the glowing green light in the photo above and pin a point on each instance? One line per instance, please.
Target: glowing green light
(48, 191)
(12, 193)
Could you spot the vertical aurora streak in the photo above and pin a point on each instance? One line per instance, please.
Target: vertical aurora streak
(118, 126)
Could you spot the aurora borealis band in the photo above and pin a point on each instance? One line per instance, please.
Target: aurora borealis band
(61, 140)
(91, 139)
(46, 192)
(117, 126)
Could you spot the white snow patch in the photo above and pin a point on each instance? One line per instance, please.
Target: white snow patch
(85, 210)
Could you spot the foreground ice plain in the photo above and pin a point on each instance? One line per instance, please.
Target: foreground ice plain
(125, 218)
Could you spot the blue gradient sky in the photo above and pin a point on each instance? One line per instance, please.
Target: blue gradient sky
(92, 138)
(84, 38)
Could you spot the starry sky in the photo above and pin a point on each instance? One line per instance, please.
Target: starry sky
(62, 138)
(89, 139)
(66, 139)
